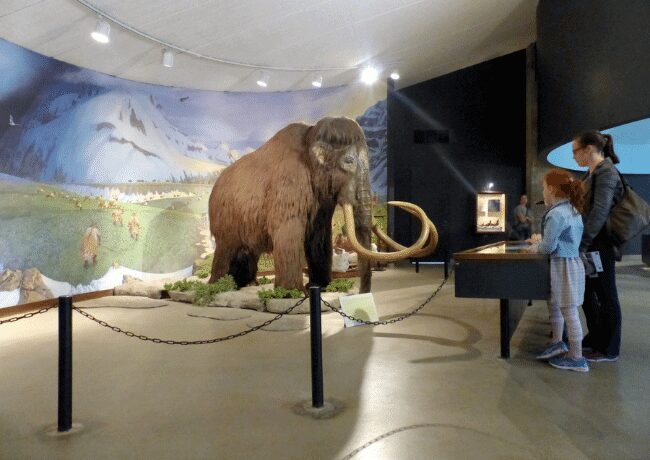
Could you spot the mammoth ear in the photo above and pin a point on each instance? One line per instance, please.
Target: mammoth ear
(318, 152)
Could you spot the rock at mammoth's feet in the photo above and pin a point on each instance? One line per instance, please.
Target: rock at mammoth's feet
(31, 284)
(122, 302)
(32, 296)
(10, 280)
(245, 298)
(182, 296)
(151, 289)
(282, 305)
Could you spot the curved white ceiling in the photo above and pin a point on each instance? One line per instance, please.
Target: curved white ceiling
(422, 38)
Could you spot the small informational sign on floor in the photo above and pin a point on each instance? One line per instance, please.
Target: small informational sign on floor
(360, 306)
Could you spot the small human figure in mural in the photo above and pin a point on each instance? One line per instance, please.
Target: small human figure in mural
(118, 217)
(90, 245)
(134, 226)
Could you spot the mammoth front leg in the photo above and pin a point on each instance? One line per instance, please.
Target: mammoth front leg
(318, 247)
(287, 254)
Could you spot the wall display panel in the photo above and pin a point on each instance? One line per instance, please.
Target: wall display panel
(101, 177)
(490, 212)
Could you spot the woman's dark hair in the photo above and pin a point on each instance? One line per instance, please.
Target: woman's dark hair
(564, 185)
(602, 142)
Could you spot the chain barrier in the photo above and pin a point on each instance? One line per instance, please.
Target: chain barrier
(389, 321)
(239, 334)
(188, 342)
(27, 315)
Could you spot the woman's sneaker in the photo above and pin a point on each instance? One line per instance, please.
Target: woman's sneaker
(598, 357)
(570, 364)
(556, 349)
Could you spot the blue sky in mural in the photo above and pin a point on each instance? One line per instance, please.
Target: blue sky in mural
(244, 119)
(61, 123)
(631, 144)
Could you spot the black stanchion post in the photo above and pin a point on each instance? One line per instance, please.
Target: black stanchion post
(316, 347)
(65, 364)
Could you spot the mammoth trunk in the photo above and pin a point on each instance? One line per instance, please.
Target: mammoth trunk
(318, 245)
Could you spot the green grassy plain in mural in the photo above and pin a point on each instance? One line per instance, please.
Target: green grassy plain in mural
(41, 226)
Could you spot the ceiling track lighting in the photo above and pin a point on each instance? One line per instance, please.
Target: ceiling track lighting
(168, 59)
(317, 81)
(263, 79)
(102, 31)
(369, 75)
(179, 49)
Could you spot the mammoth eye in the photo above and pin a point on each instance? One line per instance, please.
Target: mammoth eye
(349, 159)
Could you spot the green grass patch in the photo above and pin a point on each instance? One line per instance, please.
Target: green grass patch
(340, 285)
(204, 294)
(183, 285)
(279, 293)
(41, 231)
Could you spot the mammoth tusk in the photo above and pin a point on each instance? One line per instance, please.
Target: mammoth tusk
(426, 250)
(387, 256)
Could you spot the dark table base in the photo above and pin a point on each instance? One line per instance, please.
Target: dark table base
(511, 311)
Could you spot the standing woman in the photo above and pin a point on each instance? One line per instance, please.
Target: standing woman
(604, 189)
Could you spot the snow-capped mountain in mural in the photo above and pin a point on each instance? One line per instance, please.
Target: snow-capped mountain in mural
(83, 133)
(374, 124)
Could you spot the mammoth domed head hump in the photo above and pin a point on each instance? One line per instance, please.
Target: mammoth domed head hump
(337, 150)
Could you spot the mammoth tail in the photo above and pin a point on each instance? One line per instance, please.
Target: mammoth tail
(243, 266)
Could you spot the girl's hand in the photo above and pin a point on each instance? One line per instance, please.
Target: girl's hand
(535, 238)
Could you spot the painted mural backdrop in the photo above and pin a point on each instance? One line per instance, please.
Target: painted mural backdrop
(102, 177)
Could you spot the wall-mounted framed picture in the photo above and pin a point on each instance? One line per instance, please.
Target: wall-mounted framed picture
(490, 212)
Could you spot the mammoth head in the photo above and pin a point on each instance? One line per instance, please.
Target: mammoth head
(338, 158)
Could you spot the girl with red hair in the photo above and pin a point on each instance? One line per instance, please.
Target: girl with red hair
(561, 235)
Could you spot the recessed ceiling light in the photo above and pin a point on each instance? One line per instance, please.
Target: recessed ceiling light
(369, 75)
(394, 75)
(102, 31)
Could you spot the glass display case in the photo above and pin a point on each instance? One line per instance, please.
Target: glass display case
(513, 250)
(490, 212)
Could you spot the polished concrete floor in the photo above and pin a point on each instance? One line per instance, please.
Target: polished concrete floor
(431, 386)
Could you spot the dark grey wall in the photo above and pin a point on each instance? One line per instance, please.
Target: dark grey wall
(593, 66)
(483, 107)
(593, 71)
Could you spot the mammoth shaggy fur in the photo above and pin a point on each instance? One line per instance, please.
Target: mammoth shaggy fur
(281, 198)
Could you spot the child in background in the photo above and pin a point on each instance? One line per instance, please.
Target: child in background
(562, 232)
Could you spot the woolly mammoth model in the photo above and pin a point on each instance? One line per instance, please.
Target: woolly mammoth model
(281, 199)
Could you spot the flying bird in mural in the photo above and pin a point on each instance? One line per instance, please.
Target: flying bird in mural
(11, 121)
